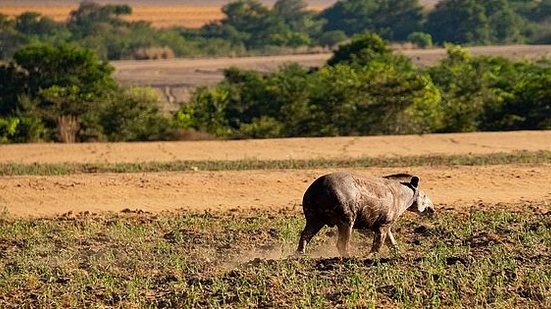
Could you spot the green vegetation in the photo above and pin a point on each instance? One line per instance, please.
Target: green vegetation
(485, 258)
(476, 22)
(420, 39)
(392, 19)
(366, 89)
(250, 27)
(48, 169)
(67, 94)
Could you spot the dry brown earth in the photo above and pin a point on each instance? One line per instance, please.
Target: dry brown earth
(456, 187)
(280, 149)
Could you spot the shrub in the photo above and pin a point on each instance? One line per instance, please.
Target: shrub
(8, 128)
(421, 39)
(133, 115)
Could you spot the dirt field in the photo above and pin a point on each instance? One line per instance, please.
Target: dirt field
(227, 238)
(200, 190)
(175, 78)
(456, 187)
(280, 149)
(159, 15)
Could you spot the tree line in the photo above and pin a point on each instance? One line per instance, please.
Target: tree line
(366, 89)
(66, 93)
(250, 27)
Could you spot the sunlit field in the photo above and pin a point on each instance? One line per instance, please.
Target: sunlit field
(159, 16)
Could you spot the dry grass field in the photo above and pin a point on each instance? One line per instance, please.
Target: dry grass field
(160, 16)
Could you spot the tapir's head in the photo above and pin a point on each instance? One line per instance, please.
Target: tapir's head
(421, 201)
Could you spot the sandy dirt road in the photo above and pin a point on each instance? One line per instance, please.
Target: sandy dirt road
(280, 149)
(456, 187)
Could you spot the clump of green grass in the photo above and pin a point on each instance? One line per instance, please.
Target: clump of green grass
(47, 169)
(492, 257)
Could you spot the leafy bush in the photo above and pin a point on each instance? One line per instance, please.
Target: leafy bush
(421, 39)
(66, 94)
(362, 50)
(8, 128)
(132, 114)
(491, 93)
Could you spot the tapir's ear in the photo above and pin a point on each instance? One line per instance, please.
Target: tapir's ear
(414, 181)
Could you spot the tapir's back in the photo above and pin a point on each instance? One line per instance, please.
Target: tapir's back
(340, 197)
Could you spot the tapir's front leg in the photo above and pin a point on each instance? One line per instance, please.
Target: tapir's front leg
(390, 239)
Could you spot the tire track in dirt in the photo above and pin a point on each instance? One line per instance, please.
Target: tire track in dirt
(454, 187)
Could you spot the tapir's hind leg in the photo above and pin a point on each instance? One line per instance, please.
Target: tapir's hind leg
(345, 233)
(310, 230)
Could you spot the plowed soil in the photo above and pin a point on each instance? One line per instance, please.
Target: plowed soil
(456, 187)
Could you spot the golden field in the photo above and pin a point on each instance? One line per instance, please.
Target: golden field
(161, 16)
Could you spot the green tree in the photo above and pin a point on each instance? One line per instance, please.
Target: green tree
(132, 114)
(47, 83)
(64, 66)
(421, 39)
(91, 18)
(364, 49)
(392, 19)
(527, 103)
(42, 28)
(536, 11)
(505, 25)
(251, 18)
(10, 38)
(475, 22)
(463, 90)
(301, 21)
(459, 21)
(251, 24)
